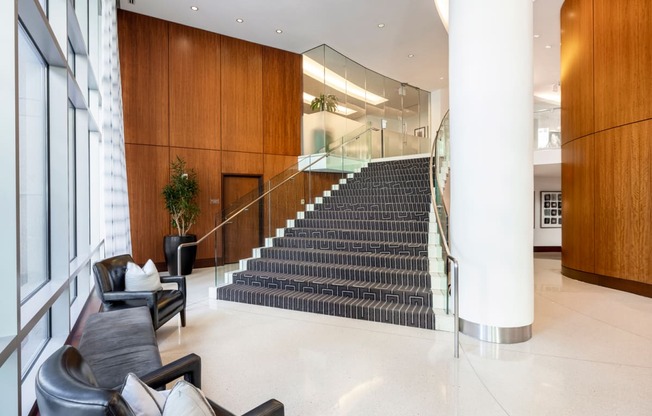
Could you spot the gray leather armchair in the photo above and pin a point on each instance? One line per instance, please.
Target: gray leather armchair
(163, 304)
(66, 386)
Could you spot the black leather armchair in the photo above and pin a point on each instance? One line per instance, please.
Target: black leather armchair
(66, 386)
(162, 304)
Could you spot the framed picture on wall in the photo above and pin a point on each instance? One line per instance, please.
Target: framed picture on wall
(421, 131)
(550, 211)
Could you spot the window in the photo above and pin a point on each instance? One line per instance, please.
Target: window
(71, 57)
(33, 343)
(72, 182)
(74, 289)
(33, 167)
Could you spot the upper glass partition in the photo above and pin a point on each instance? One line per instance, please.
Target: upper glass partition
(349, 96)
(547, 128)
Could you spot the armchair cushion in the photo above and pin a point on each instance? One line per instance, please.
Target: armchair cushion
(142, 399)
(186, 399)
(142, 279)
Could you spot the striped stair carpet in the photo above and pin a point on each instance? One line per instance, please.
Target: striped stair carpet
(362, 251)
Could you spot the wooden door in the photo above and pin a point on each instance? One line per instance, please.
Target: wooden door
(244, 233)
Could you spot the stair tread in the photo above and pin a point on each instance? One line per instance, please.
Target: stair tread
(344, 266)
(356, 241)
(339, 282)
(368, 303)
(340, 253)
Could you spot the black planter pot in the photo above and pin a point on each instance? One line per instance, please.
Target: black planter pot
(188, 254)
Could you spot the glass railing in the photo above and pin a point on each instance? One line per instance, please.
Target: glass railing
(439, 167)
(245, 224)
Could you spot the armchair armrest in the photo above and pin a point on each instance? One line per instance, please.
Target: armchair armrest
(189, 367)
(179, 280)
(270, 408)
(117, 296)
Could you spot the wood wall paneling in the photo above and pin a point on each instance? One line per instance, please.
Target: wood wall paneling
(577, 185)
(239, 163)
(144, 72)
(194, 88)
(576, 69)
(623, 211)
(242, 95)
(243, 233)
(282, 101)
(623, 57)
(147, 174)
(207, 165)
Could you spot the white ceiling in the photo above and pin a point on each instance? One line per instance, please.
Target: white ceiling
(351, 28)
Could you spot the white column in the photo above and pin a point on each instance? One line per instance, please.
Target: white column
(491, 224)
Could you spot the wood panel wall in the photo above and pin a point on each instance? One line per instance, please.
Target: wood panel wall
(200, 95)
(576, 69)
(144, 68)
(607, 150)
(623, 57)
(194, 88)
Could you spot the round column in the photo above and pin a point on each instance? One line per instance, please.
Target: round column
(491, 227)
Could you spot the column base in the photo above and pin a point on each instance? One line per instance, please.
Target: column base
(495, 334)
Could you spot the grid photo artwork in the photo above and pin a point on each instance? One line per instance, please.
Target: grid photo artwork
(551, 209)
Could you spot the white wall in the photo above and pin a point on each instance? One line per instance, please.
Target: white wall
(438, 108)
(545, 237)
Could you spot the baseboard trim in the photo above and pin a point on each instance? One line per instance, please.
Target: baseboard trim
(547, 249)
(631, 286)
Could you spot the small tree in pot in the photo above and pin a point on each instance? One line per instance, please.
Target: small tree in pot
(180, 196)
(325, 102)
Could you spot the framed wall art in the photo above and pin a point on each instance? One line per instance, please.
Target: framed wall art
(551, 209)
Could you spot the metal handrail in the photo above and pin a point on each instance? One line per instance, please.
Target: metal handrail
(246, 207)
(452, 261)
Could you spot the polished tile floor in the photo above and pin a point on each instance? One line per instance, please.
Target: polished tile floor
(590, 354)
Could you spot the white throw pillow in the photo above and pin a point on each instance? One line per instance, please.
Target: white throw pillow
(187, 400)
(143, 400)
(145, 279)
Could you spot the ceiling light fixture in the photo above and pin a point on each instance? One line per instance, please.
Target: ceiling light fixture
(411, 55)
(381, 25)
(279, 31)
(317, 72)
(307, 98)
(548, 46)
(536, 36)
(441, 78)
(194, 8)
(239, 20)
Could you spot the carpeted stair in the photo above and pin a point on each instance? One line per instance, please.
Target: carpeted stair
(367, 250)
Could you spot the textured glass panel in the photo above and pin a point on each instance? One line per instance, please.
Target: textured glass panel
(33, 343)
(33, 158)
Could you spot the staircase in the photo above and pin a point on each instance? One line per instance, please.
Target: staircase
(368, 249)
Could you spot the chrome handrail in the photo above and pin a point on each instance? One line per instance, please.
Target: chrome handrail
(451, 261)
(246, 207)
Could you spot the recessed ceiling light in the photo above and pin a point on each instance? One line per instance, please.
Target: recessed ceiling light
(411, 55)
(194, 8)
(536, 36)
(441, 77)
(548, 46)
(279, 31)
(381, 25)
(239, 20)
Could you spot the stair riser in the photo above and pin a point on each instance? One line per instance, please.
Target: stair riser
(355, 247)
(361, 199)
(378, 191)
(402, 278)
(366, 215)
(357, 235)
(361, 206)
(424, 320)
(405, 226)
(325, 257)
(342, 290)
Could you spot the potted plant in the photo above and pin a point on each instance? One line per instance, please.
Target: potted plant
(325, 102)
(180, 196)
